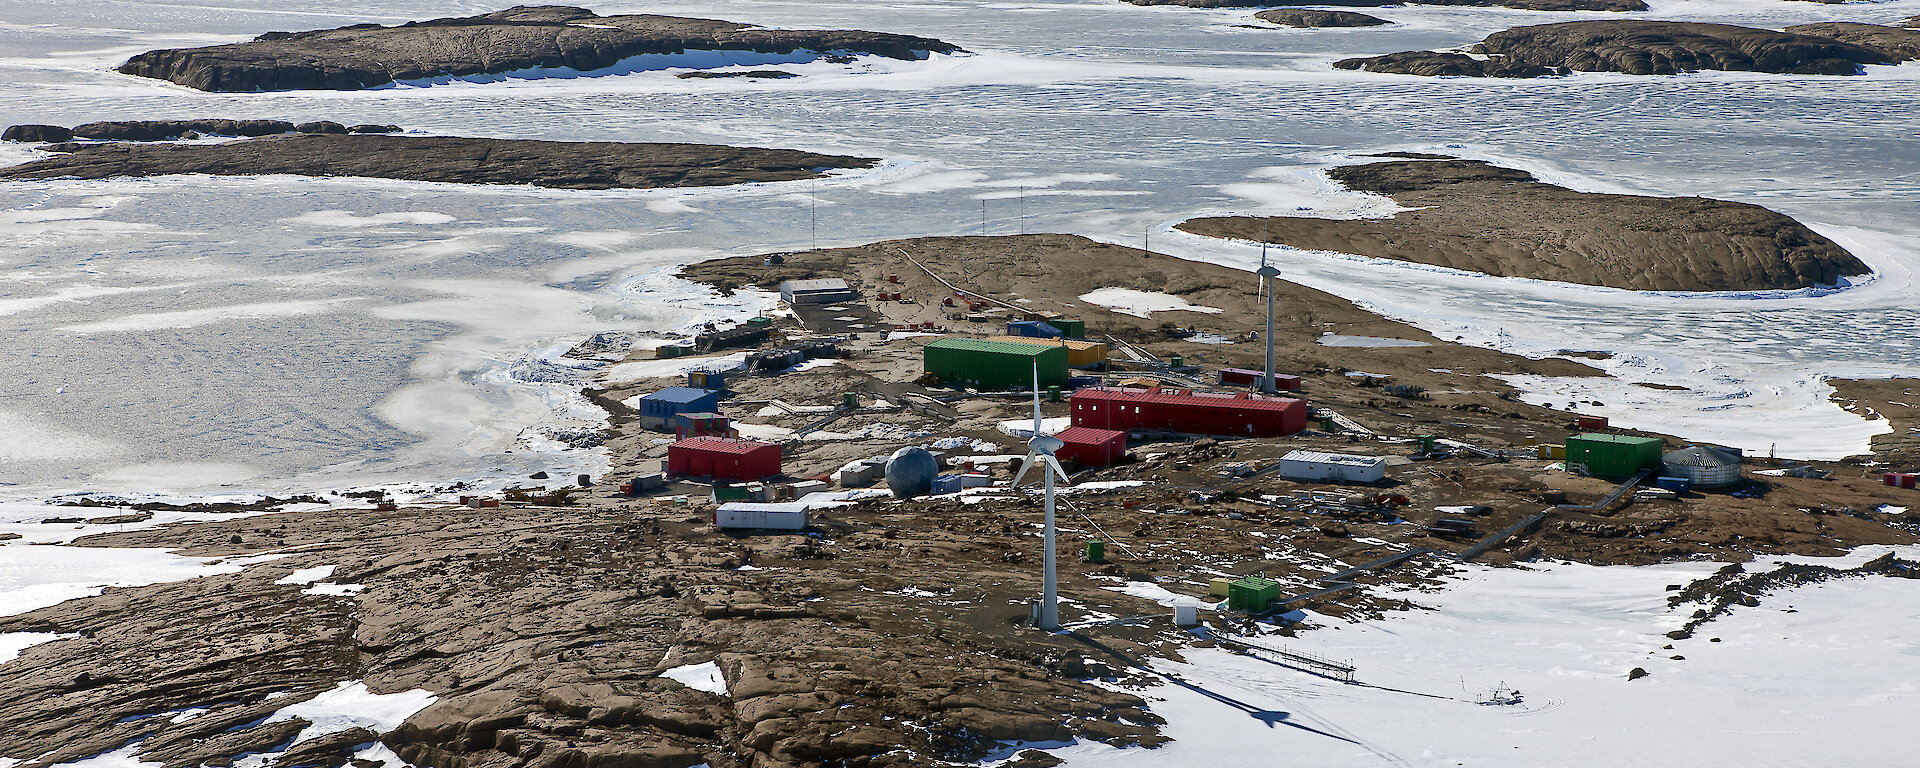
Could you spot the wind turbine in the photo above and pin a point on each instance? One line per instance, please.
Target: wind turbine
(1040, 449)
(1267, 273)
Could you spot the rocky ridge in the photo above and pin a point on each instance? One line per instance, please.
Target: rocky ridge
(523, 37)
(170, 130)
(1470, 215)
(461, 160)
(1633, 47)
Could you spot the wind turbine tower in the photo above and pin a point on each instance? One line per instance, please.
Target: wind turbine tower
(1040, 449)
(1267, 273)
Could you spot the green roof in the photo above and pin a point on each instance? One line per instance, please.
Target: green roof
(1002, 347)
(1595, 437)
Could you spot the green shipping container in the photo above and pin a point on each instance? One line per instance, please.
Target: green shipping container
(1613, 455)
(1074, 329)
(986, 364)
(1252, 593)
(732, 492)
(1096, 551)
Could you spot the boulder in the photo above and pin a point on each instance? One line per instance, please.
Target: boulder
(321, 126)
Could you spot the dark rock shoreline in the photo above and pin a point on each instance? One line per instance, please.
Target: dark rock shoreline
(1473, 216)
(567, 165)
(1633, 47)
(369, 55)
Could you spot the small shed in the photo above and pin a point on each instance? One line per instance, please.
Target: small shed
(994, 364)
(1242, 377)
(723, 458)
(778, 516)
(1252, 593)
(1704, 467)
(1091, 447)
(1613, 455)
(1074, 329)
(822, 291)
(701, 424)
(707, 379)
(1039, 329)
(658, 409)
(1322, 466)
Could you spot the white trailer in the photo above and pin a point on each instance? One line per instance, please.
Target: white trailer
(776, 516)
(1343, 467)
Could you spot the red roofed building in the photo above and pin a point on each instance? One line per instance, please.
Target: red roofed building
(1241, 414)
(1091, 447)
(723, 459)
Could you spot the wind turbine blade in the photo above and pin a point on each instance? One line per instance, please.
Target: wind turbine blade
(1054, 465)
(1024, 466)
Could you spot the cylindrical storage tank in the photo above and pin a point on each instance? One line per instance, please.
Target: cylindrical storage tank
(1703, 467)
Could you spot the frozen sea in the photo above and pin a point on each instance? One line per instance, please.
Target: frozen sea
(192, 334)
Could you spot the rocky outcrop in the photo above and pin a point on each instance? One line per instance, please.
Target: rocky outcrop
(569, 165)
(1903, 43)
(1638, 48)
(1438, 64)
(36, 133)
(1525, 5)
(523, 37)
(1470, 215)
(1304, 17)
(170, 130)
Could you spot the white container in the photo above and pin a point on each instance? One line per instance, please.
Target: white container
(1186, 614)
(788, 516)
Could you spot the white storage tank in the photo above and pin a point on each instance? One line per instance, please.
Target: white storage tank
(781, 516)
(1704, 467)
(1320, 466)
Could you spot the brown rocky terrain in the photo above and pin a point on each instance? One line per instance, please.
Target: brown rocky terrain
(1470, 215)
(1637, 48)
(522, 37)
(1307, 17)
(1525, 5)
(1897, 401)
(560, 164)
(1902, 42)
(888, 634)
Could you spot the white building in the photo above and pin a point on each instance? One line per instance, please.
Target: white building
(1321, 466)
(781, 516)
(821, 291)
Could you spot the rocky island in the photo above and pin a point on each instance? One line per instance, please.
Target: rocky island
(1524, 5)
(451, 159)
(523, 37)
(1470, 215)
(1903, 42)
(1309, 17)
(1633, 47)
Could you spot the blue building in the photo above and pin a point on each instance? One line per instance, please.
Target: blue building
(658, 409)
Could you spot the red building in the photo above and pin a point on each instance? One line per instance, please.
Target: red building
(1091, 447)
(1242, 414)
(723, 459)
(1241, 377)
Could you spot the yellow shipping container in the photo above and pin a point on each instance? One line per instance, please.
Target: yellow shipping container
(1080, 352)
(1553, 451)
(1218, 587)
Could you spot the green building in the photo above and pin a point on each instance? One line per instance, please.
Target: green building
(1613, 455)
(983, 364)
(1252, 593)
(1074, 329)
